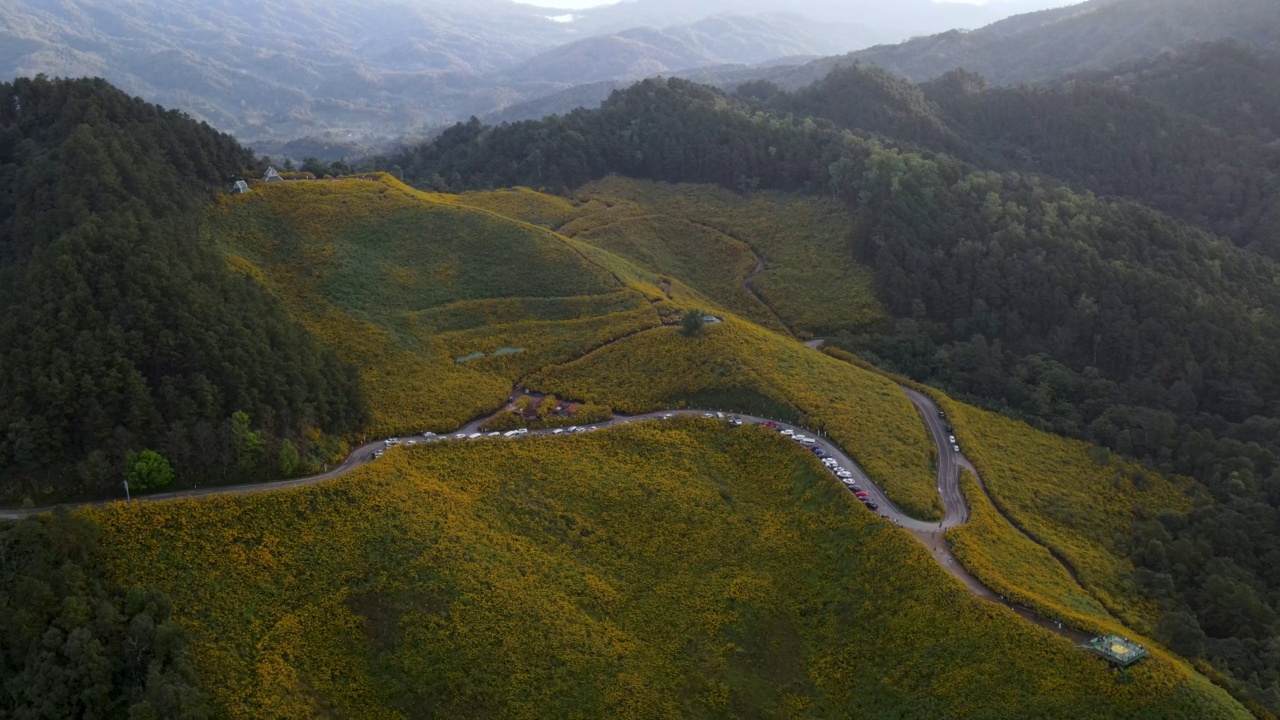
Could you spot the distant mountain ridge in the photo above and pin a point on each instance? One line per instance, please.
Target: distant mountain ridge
(722, 39)
(1042, 46)
(364, 72)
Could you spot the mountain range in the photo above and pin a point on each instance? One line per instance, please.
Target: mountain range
(373, 70)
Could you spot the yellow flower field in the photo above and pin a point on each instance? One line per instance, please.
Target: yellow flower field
(665, 570)
(737, 365)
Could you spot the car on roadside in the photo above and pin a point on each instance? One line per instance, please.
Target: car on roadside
(428, 434)
(473, 436)
(848, 482)
(830, 462)
(558, 431)
(856, 488)
(819, 452)
(522, 431)
(956, 448)
(872, 506)
(788, 433)
(844, 474)
(771, 425)
(494, 434)
(410, 442)
(460, 436)
(510, 433)
(953, 439)
(861, 494)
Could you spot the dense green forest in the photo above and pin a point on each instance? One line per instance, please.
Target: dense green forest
(74, 645)
(1104, 320)
(1105, 138)
(1230, 84)
(123, 328)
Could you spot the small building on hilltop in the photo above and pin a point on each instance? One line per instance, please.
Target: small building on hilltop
(241, 187)
(271, 175)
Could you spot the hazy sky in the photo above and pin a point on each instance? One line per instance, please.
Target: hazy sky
(580, 4)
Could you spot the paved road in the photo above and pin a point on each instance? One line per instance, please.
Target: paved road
(364, 455)
(931, 533)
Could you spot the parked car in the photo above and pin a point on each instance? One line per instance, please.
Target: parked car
(861, 494)
(771, 425)
(819, 452)
(558, 431)
(953, 439)
(495, 434)
(956, 448)
(511, 433)
(473, 436)
(873, 506)
(788, 433)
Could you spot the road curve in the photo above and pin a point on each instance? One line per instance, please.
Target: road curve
(363, 455)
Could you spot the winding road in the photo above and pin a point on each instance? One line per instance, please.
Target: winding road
(930, 533)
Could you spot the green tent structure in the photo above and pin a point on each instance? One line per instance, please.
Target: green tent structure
(1121, 651)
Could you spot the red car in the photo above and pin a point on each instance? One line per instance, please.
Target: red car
(861, 495)
(771, 425)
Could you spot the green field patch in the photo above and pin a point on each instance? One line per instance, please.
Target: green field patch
(439, 306)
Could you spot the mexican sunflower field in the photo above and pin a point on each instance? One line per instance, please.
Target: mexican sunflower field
(653, 571)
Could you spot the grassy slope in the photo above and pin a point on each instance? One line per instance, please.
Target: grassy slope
(739, 366)
(1051, 488)
(678, 570)
(402, 283)
(810, 278)
(702, 257)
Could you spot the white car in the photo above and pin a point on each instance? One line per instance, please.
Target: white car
(495, 434)
(522, 431)
(428, 434)
(510, 433)
(953, 439)
(830, 462)
(411, 442)
(460, 436)
(473, 436)
(788, 433)
(844, 475)
(956, 448)
(558, 431)
(574, 429)
(847, 481)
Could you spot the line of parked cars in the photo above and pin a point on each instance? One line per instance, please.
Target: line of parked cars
(844, 474)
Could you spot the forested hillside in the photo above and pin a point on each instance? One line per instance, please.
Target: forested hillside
(1098, 319)
(123, 329)
(1042, 46)
(1102, 138)
(1227, 82)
